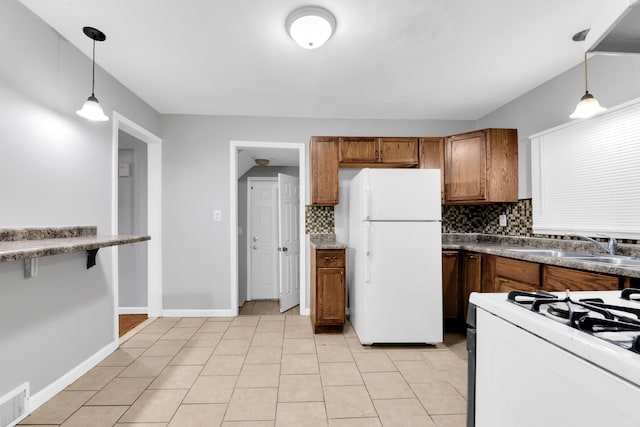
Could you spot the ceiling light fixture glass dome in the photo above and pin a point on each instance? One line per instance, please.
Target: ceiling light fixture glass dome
(310, 26)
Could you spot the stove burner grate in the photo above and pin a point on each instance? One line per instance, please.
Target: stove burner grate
(617, 324)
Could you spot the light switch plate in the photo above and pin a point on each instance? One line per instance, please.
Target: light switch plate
(503, 220)
(217, 215)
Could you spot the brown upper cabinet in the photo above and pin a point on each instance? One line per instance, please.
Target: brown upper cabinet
(481, 167)
(324, 170)
(432, 157)
(362, 152)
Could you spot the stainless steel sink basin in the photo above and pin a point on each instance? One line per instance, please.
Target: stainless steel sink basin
(558, 253)
(613, 260)
(619, 261)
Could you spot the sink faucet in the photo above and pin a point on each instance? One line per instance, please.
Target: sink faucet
(611, 246)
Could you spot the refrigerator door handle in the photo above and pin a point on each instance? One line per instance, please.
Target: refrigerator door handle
(367, 252)
(367, 202)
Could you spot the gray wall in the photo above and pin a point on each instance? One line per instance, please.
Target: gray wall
(132, 219)
(254, 172)
(55, 169)
(196, 250)
(612, 80)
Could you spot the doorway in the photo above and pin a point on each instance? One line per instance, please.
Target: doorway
(242, 158)
(153, 214)
(132, 220)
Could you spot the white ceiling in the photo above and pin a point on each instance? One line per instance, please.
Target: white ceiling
(388, 59)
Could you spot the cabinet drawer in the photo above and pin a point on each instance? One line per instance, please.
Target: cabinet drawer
(507, 285)
(519, 271)
(559, 279)
(330, 258)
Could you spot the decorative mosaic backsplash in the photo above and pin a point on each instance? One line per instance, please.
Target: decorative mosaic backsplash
(482, 219)
(319, 219)
(485, 218)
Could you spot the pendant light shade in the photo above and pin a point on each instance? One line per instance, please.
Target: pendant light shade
(310, 26)
(91, 109)
(588, 105)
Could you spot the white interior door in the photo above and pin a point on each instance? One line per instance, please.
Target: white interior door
(263, 239)
(289, 241)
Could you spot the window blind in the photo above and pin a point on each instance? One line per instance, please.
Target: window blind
(585, 175)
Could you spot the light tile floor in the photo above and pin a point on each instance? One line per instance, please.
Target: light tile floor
(263, 369)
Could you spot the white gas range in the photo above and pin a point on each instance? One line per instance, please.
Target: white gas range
(554, 359)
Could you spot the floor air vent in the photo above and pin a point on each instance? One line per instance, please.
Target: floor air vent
(13, 406)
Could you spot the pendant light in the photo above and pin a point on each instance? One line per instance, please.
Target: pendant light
(91, 109)
(588, 105)
(310, 26)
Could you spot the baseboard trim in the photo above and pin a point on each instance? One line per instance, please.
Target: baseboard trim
(58, 385)
(133, 310)
(305, 312)
(197, 313)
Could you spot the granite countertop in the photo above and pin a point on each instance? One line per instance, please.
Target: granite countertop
(503, 246)
(34, 242)
(325, 241)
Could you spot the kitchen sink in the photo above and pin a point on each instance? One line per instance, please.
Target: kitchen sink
(558, 253)
(619, 261)
(613, 260)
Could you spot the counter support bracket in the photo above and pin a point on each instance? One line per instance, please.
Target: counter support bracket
(30, 268)
(91, 257)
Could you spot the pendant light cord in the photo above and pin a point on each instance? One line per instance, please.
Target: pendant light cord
(586, 80)
(93, 71)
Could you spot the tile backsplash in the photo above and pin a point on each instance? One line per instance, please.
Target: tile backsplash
(455, 219)
(482, 219)
(485, 218)
(319, 220)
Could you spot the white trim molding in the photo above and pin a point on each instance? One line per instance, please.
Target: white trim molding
(154, 213)
(133, 310)
(61, 383)
(198, 313)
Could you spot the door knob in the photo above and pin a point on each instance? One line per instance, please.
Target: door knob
(255, 239)
(255, 247)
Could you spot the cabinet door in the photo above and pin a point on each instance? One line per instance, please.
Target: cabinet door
(432, 157)
(514, 274)
(398, 151)
(358, 150)
(559, 279)
(330, 296)
(507, 285)
(450, 294)
(324, 171)
(466, 167)
(471, 278)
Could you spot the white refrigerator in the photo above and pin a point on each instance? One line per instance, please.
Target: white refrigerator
(395, 256)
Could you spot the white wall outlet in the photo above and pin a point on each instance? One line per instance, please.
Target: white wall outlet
(217, 215)
(503, 220)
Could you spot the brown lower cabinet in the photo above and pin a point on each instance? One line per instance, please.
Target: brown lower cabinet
(471, 278)
(327, 289)
(467, 272)
(559, 279)
(515, 275)
(450, 294)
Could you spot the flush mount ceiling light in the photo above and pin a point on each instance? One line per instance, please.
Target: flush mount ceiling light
(310, 26)
(91, 109)
(262, 161)
(588, 105)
